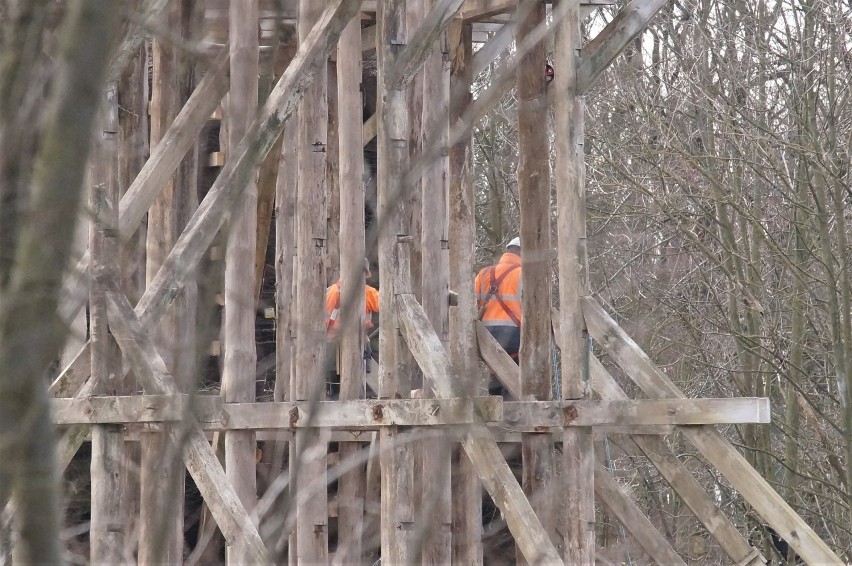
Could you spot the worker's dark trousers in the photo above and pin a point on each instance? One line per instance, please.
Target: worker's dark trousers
(509, 337)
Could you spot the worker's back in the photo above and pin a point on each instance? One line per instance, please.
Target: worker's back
(498, 292)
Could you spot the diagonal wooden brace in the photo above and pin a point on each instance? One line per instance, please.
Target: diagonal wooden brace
(198, 455)
(718, 451)
(478, 443)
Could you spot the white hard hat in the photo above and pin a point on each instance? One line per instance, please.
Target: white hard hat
(516, 241)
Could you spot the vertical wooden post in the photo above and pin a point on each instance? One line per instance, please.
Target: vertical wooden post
(352, 485)
(398, 535)
(578, 448)
(162, 479)
(285, 254)
(308, 463)
(132, 153)
(415, 11)
(238, 378)
(107, 534)
(467, 490)
(436, 451)
(534, 194)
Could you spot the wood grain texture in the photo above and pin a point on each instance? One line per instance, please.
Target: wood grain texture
(480, 447)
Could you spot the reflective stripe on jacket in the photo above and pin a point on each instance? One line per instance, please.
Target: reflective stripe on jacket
(332, 306)
(508, 293)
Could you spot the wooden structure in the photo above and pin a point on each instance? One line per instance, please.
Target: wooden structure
(399, 491)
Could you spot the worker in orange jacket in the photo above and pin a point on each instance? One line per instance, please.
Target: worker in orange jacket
(498, 296)
(332, 303)
(332, 325)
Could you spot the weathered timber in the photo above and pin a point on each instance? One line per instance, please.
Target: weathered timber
(198, 455)
(682, 481)
(467, 490)
(578, 447)
(107, 508)
(536, 362)
(481, 448)
(162, 476)
(259, 139)
(212, 414)
(74, 376)
(396, 458)
(352, 484)
(133, 38)
(367, 413)
(435, 471)
(420, 45)
(506, 370)
(285, 251)
(308, 462)
(238, 375)
(718, 451)
(497, 44)
(597, 55)
(370, 129)
(164, 161)
(528, 415)
(633, 519)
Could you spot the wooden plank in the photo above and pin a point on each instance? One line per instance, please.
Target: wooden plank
(498, 43)
(199, 457)
(72, 378)
(161, 514)
(506, 370)
(162, 164)
(467, 490)
(420, 45)
(120, 410)
(259, 139)
(633, 519)
(399, 538)
(529, 533)
(578, 447)
(369, 129)
(484, 9)
(353, 484)
(536, 361)
(240, 359)
(597, 55)
(309, 376)
(718, 451)
(622, 416)
(107, 507)
(527, 415)
(360, 413)
(435, 453)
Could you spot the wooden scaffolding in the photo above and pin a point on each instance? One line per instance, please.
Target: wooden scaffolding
(411, 463)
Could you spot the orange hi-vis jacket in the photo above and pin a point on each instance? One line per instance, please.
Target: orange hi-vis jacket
(332, 307)
(503, 306)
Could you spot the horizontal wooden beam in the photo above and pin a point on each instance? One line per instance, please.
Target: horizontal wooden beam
(213, 414)
(530, 415)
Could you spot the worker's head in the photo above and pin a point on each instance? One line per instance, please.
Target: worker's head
(514, 246)
(367, 273)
